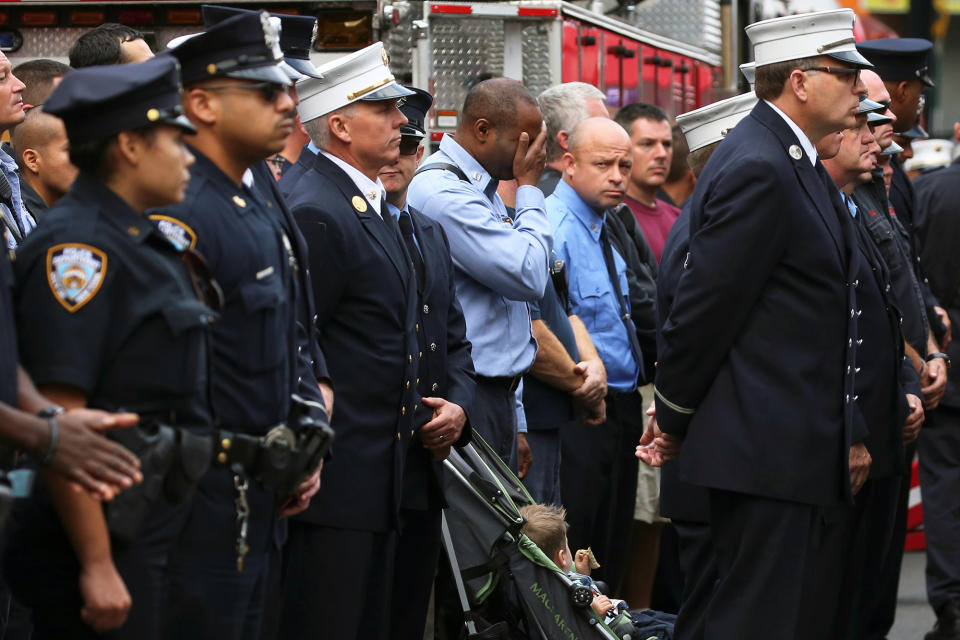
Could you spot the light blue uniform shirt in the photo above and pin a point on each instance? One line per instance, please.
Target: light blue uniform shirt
(576, 231)
(500, 264)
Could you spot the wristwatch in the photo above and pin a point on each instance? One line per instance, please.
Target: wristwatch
(940, 354)
(51, 411)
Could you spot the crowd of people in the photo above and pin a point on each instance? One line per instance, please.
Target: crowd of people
(252, 319)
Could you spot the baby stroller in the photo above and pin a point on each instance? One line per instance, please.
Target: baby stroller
(508, 588)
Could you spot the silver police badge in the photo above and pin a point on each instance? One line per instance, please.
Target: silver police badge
(178, 233)
(795, 152)
(75, 272)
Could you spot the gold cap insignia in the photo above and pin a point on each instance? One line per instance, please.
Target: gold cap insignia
(240, 202)
(153, 115)
(795, 152)
(359, 204)
(134, 231)
(211, 68)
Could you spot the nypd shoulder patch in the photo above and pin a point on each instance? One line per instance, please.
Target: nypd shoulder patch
(177, 232)
(75, 273)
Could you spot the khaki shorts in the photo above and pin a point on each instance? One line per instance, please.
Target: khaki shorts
(647, 508)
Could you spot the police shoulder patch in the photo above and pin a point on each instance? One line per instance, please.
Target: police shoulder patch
(177, 232)
(75, 273)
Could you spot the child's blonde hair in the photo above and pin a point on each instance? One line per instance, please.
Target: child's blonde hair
(546, 526)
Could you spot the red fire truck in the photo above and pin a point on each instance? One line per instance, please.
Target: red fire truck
(443, 46)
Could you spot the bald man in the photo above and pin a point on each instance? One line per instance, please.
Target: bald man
(43, 156)
(500, 260)
(596, 170)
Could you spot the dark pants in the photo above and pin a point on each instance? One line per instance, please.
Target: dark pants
(494, 416)
(879, 621)
(779, 566)
(939, 448)
(210, 598)
(48, 583)
(418, 550)
(699, 566)
(543, 479)
(598, 481)
(337, 583)
(869, 537)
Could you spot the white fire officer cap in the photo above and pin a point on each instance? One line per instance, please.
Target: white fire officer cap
(806, 35)
(711, 123)
(747, 69)
(362, 75)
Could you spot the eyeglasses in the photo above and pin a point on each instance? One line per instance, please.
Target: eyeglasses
(269, 90)
(409, 145)
(205, 287)
(838, 71)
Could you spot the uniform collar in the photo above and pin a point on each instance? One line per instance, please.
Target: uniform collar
(395, 212)
(239, 197)
(113, 208)
(469, 165)
(587, 215)
(373, 191)
(797, 131)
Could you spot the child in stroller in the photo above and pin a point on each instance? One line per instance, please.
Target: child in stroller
(546, 526)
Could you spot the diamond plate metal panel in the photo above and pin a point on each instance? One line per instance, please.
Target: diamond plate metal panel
(696, 22)
(56, 42)
(536, 58)
(463, 52)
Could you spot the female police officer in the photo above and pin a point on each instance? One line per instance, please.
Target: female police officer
(109, 317)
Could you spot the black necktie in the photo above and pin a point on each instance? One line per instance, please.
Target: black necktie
(624, 312)
(406, 228)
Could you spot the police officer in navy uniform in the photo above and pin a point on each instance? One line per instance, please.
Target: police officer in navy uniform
(111, 315)
(445, 372)
(236, 95)
(762, 404)
(340, 554)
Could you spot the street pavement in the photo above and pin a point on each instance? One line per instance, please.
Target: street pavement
(914, 616)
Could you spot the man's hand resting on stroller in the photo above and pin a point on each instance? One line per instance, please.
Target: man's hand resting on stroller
(444, 428)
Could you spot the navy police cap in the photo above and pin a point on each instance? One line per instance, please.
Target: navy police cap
(245, 46)
(415, 108)
(899, 58)
(297, 34)
(100, 101)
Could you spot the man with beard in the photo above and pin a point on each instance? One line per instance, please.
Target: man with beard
(740, 374)
(235, 94)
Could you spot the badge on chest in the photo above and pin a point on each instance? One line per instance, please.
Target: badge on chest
(75, 273)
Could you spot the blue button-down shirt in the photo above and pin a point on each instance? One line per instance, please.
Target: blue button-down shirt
(500, 263)
(576, 231)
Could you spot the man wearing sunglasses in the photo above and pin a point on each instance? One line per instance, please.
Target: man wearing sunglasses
(760, 400)
(235, 93)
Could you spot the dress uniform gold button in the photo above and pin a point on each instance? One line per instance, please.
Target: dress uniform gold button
(434, 386)
(222, 458)
(153, 115)
(398, 437)
(411, 433)
(418, 381)
(403, 411)
(433, 346)
(426, 309)
(408, 384)
(421, 355)
(409, 358)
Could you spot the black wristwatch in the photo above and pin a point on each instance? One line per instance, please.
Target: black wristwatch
(940, 354)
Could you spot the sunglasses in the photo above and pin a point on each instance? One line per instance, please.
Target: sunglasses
(840, 71)
(205, 287)
(269, 90)
(409, 145)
